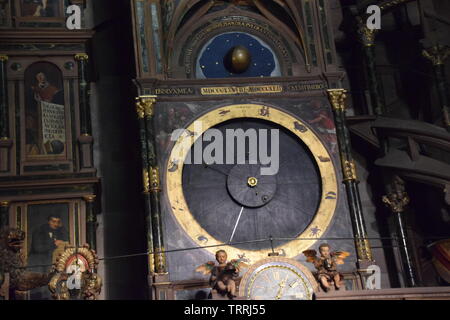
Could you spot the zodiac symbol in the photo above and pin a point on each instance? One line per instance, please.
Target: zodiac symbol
(331, 195)
(300, 127)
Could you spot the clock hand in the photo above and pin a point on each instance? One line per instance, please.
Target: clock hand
(215, 169)
(237, 222)
(282, 284)
(209, 166)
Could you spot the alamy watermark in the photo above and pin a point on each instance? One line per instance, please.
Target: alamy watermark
(373, 281)
(374, 20)
(233, 146)
(73, 21)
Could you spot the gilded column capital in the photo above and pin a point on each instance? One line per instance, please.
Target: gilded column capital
(89, 198)
(3, 57)
(397, 199)
(366, 35)
(5, 203)
(337, 98)
(145, 106)
(81, 57)
(349, 170)
(437, 54)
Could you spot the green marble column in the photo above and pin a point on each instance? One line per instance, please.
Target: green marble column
(396, 200)
(83, 89)
(145, 107)
(364, 252)
(6, 142)
(85, 139)
(4, 213)
(91, 221)
(437, 56)
(367, 39)
(140, 108)
(4, 118)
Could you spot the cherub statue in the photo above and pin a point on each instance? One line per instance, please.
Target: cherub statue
(224, 274)
(326, 265)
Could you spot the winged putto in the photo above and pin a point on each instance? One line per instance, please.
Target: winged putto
(223, 273)
(326, 265)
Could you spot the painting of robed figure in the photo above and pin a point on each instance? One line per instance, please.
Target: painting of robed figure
(45, 119)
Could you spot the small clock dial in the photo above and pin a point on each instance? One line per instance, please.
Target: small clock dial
(278, 283)
(278, 278)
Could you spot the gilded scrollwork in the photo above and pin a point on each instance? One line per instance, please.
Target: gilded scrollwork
(74, 273)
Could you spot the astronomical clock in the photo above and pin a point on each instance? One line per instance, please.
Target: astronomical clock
(47, 170)
(265, 70)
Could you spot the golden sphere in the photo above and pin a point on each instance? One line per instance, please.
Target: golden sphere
(238, 59)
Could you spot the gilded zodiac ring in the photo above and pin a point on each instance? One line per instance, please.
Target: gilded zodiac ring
(329, 185)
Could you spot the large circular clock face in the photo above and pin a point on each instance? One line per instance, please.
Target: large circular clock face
(277, 279)
(235, 203)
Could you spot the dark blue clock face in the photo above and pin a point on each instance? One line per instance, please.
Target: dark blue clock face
(211, 64)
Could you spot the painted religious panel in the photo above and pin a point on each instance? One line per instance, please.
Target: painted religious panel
(41, 8)
(45, 120)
